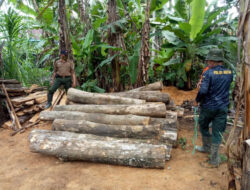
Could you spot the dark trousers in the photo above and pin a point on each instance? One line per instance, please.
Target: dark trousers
(219, 120)
(66, 82)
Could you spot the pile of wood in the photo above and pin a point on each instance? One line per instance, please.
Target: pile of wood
(24, 104)
(131, 128)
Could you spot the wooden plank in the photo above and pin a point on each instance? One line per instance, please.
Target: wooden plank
(18, 125)
(10, 81)
(63, 100)
(33, 96)
(247, 95)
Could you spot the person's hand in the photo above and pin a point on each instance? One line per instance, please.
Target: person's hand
(198, 85)
(51, 82)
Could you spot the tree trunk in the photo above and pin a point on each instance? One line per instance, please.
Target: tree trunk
(150, 87)
(65, 43)
(83, 7)
(95, 98)
(153, 110)
(122, 131)
(96, 117)
(246, 168)
(142, 71)
(115, 39)
(72, 146)
(149, 96)
(167, 123)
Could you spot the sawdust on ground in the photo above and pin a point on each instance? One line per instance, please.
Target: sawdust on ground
(23, 170)
(179, 96)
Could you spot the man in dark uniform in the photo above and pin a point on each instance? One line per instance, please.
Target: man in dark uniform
(64, 74)
(213, 97)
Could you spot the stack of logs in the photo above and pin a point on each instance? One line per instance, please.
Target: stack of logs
(22, 103)
(130, 128)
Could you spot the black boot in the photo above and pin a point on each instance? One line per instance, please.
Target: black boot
(50, 97)
(206, 145)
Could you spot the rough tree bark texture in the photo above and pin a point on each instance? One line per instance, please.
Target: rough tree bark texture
(72, 146)
(150, 87)
(149, 96)
(142, 71)
(96, 117)
(115, 39)
(79, 96)
(153, 110)
(83, 6)
(246, 168)
(65, 43)
(121, 131)
(1, 60)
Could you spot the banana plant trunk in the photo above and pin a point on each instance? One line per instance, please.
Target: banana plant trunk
(65, 43)
(83, 6)
(144, 58)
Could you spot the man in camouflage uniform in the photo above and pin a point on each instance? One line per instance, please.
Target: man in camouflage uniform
(213, 97)
(64, 74)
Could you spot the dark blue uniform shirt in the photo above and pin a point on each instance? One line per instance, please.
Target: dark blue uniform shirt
(214, 90)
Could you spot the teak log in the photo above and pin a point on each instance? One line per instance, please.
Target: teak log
(96, 117)
(149, 96)
(122, 131)
(150, 87)
(85, 147)
(95, 98)
(165, 122)
(153, 110)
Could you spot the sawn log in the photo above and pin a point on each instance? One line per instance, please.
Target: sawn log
(153, 110)
(96, 117)
(121, 131)
(79, 96)
(85, 147)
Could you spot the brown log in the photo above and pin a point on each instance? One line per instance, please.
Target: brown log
(95, 98)
(95, 117)
(153, 110)
(150, 87)
(85, 147)
(167, 123)
(15, 86)
(16, 90)
(122, 131)
(149, 96)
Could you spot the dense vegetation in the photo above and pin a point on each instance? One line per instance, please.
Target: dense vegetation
(181, 34)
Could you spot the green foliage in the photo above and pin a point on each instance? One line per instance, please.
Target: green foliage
(183, 142)
(197, 19)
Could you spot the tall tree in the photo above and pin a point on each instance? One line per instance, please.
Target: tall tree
(142, 71)
(65, 43)
(115, 39)
(83, 6)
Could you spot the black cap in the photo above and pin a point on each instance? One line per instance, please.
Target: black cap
(64, 52)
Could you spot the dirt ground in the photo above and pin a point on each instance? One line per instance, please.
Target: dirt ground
(21, 169)
(24, 170)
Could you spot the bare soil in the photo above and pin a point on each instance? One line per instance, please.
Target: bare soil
(24, 170)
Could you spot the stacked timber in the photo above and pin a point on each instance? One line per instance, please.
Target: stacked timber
(24, 104)
(132, 130)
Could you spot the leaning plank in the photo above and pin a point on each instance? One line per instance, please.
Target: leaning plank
(96, 117)
(95, 98)
(72, 146)
(245, 181)
(153, 110)
(121, 131)
(150, 87)
(149, 96)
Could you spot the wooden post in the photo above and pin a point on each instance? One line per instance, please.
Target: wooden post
(247, 99)
(245, 183)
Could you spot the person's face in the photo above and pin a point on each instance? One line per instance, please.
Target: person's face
(211, 64)
(62, 56)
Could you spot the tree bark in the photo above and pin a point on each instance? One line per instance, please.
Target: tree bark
(153, 110)
(245, 182)
(65, 43)
(83, 7)
(167, 123)
(142, 71)
(150, 87)
(122, 131)
(72, 146)
(149, 96)
(79, 96)
(98, 118)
